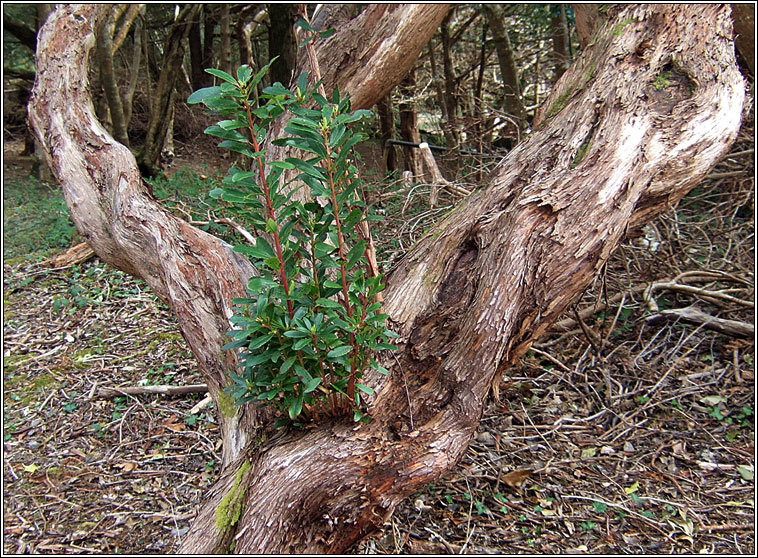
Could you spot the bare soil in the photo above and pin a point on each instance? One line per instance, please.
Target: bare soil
(625, 433)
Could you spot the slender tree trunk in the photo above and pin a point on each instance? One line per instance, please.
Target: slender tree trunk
(243, 27)
(409, 125)
(282, 41)
(40, 168)
(108, 76)
(479, 126)
(608, 153)
(209, 23)
(225, 49)
(512, 102)
(196, 53)
(160, 113)
(387, 131)
(131, 14)
(134, 70)
(559, 25)
(451, 97)
(437, 83)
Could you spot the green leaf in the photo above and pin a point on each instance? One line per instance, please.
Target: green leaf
(303, 24)
(364, 389)
(260, 341)
(253, 251)
(297, 345)
(336, 135)
(302, 82)
(222, 104)
(296, 407)
(222, 75)
(273, 263)
(287, 364)
(326, 34)
(281, 165)
(327, 303)
(303, 373)
(238, 147)
(339, 351)
(271, 226)
(201, 95)
(232, 124)
(311, 385)
(306, 168)
(276, 89)
(296, 333)
(243, 73)
(355, 254)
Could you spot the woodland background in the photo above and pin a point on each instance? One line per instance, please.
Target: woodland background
(628, 428)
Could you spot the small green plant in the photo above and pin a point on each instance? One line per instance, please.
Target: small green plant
(599, 507)
(310, 325)
(662, 81)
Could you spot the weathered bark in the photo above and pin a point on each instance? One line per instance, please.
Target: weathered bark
(161, 109)
(512, 102)
(610, 153)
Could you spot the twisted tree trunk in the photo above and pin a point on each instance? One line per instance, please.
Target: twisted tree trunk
(610, 151)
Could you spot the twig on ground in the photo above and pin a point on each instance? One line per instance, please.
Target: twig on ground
(108, 392)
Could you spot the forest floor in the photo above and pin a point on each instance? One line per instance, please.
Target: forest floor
(624, 430)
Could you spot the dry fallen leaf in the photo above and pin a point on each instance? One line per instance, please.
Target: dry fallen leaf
(515, 479)
(174, 426)
(127, 467)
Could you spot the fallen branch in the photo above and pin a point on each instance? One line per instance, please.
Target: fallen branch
(108, 392)
(711, 296)
(693, 315)
(75, 255)
(437, 178)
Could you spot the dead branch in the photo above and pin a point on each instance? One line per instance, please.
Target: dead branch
(108, 392)
(693, 315)
(75, 255)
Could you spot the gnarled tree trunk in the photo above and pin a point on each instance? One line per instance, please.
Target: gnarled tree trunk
(609, 152)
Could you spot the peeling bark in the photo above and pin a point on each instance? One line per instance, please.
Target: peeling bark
(609, 152)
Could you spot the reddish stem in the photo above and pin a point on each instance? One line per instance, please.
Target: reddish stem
(269, 205)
